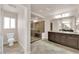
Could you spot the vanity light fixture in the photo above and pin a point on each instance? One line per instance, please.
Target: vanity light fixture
(65, 15)
(62, 15)
(58, 16)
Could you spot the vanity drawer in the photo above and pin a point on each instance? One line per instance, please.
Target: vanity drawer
(51, 36)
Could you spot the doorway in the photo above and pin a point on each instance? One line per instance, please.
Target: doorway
(9, 25)
(10, 33)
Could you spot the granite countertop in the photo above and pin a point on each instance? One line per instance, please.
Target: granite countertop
(65, 32)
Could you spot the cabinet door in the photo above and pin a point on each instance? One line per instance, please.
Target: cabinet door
(58, 37)
(51, 36)
(63, 39)
(72, 41)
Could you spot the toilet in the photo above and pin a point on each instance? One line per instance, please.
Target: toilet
(11, 39)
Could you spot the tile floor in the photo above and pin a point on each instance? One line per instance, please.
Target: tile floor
(16, 49)
(34, 39)
(47, 47)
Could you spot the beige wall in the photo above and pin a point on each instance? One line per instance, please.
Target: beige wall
(20, 30)
(24, 28)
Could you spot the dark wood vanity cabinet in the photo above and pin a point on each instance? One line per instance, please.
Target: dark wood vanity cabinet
(57, 38)
(51, 37)
(63, 39)
(71, 40)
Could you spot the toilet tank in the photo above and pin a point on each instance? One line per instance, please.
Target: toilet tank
(10, 35)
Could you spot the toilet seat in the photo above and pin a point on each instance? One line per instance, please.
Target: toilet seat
(11, 41)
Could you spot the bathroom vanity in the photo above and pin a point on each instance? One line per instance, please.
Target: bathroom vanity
(69, 39)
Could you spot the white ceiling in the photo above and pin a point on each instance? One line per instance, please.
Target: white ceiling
(49, 10)
(12, 8)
